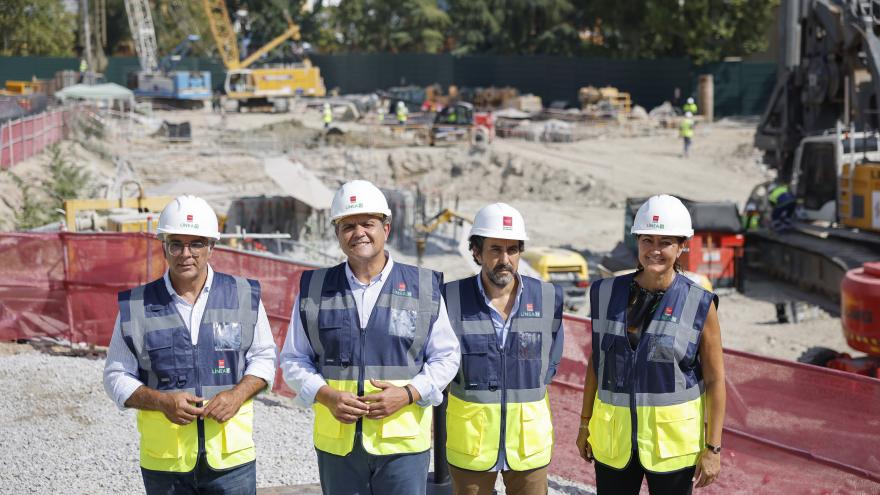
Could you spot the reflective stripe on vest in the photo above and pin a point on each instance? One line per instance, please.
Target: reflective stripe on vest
(661, 380)
(167, 361)
(397, 329)
(494, 386)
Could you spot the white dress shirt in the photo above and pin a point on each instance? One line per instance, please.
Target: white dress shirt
(121, 368)
(298, 359)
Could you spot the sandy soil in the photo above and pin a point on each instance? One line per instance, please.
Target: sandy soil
(570, 194)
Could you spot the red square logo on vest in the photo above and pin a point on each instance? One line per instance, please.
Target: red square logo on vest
(668, 311)
(189, 218)
(508, 221)
(221, 363)
(401, 286)
(530, 307)
(352, 199)
(656, 218)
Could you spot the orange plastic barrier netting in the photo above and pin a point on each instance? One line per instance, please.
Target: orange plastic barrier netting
(790, 428)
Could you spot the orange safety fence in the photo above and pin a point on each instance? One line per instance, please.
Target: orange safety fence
(790, 428)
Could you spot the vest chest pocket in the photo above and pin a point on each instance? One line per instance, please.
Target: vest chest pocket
(159, 345)
(528, 345)
(403, 323)
(474, 362)
(662, 349)
(337, 345)
(227, 336)
(615, 363)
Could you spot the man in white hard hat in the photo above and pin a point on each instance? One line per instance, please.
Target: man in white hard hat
(510, 329)
(402, 113)
(189, 351)
(686, 131)
(690, 106)
(370, 349)
(328, 115)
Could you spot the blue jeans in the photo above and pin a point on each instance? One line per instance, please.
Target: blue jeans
(241, 480)
(361, 473)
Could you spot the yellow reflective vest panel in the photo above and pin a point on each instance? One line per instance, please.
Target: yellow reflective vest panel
(501, 390)
(658, 384)
(390, 349)
(170, 447)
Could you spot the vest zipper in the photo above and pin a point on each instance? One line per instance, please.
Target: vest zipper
(361, 372)
(503, 439)
(200, 423)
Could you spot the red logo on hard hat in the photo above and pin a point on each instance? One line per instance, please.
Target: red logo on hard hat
(656, 218)
(189, 218)
(530, 307)
(508, 221)
(221, 363)
(401, 286)
(352, 199)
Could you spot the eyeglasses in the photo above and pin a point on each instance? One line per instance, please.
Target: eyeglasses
(175, 248)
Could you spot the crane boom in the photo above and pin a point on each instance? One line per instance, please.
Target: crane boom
(140, 21)
(291, 33)
(224, 35)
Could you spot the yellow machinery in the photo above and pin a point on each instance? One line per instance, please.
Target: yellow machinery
(423, 230)
(260, 86)
(563, 267)
(859, 205)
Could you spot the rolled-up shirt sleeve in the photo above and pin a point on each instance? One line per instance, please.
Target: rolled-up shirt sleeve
(442, 357)
(298, 362)
(260, 358)
(120, 369)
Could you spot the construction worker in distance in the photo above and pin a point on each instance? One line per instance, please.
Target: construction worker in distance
(83, 68)
(189, 351)
(328, 115)
(402, 113)
(686, 131)
(510, 329)
(654, 395)
(370, 349)
(689, 106)
(783, 204)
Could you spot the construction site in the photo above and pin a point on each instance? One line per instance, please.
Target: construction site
(88, 165)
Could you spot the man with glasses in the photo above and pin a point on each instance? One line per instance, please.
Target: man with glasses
(189, 351)
(370, 348)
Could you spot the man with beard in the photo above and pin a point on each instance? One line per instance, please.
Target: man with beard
(510, 330)
(370, 349)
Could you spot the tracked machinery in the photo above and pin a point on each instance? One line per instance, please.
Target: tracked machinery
(260, 87)
(821, 132)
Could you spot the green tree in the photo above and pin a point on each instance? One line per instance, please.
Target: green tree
(67, 180)
(536, 27)
(706, 30)
(474, 27)
(390, 26)
(36, 27)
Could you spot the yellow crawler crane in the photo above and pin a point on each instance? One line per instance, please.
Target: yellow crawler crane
(263, 86)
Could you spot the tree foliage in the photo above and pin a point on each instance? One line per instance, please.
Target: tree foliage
(36, 27)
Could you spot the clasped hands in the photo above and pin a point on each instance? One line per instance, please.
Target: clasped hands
(347, 407)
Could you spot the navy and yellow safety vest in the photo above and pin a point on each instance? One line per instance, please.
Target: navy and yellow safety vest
(167, 361)
(501, 392)
(390, 348)
(651, 397)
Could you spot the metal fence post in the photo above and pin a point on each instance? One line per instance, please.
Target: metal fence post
(439, 482)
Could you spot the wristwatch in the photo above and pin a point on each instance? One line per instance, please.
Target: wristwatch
(714, 449)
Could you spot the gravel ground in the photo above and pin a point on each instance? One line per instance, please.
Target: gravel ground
(64, 435)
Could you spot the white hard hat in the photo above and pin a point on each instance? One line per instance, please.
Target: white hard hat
(400, 104)
(188, 215)
(358, 197)
(690, 100)
(326, 106)
(688, 114)
(663, 215)
(501, 221)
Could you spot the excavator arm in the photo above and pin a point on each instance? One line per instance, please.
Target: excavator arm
(221, 30)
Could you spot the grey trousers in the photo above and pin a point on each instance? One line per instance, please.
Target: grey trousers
(361, 473)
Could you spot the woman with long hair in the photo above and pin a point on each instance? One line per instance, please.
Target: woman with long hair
(654, 394)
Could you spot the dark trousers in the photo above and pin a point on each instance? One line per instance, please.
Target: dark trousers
(628, 481)
(362, 473)
(203, 480)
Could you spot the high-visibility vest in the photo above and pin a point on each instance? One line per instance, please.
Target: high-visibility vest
(653, 395)
(780, 196)
(690, 107)
(402, 113)
(391, 348)
(686, 128)
(328, 115)
(167, 361)
(501, 391)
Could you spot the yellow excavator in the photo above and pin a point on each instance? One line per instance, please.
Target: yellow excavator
(261, 87)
